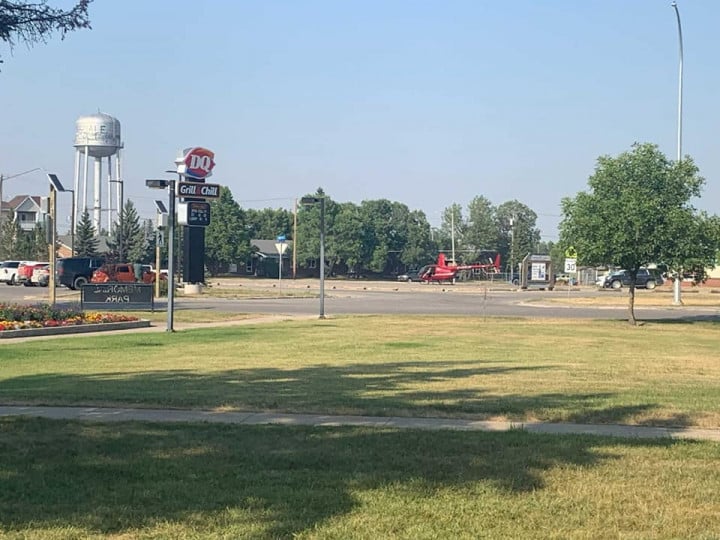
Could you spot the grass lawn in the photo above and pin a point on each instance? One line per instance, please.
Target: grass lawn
(63, 480)
(515, 369)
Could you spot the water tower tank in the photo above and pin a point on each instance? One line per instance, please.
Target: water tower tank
(100, 133)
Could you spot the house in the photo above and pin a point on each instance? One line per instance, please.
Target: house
(265, 259)
(27, 210)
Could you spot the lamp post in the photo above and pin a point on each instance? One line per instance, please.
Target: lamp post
(677, 298)
(312, 201)
(170, 185)
(55, 183)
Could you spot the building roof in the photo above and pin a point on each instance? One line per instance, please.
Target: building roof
(266, 248)
(18, 200)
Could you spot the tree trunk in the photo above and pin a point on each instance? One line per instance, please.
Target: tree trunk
(631, 305)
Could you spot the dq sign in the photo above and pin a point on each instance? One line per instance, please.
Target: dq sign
(196, 163)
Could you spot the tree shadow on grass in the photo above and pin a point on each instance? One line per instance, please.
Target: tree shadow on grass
(712, 319)
(275, 481)
(414, 388)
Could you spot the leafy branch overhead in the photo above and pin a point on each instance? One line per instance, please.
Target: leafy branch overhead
(34, 22)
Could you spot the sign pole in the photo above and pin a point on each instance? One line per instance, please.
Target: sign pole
(171, 257)
(280, 246)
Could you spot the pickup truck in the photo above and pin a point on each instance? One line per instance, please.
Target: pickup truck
(121, 272)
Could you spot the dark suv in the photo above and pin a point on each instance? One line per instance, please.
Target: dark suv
(74, 272)
(621, 278)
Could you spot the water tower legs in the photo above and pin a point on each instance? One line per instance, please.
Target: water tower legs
(76, 192)
(97, 204)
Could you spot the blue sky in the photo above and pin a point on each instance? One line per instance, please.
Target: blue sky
(424, 102)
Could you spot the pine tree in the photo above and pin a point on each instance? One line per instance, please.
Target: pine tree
(24, 244)
(7, 238)
(86, 242)
(40, 244)
(127, 240)
(226, 241)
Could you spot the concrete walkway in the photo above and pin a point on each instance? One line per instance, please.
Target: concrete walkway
(108, 414)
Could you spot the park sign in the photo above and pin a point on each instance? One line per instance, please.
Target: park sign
(198, 190)
(196, 163)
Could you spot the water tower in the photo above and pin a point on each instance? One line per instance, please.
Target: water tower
(98, 136)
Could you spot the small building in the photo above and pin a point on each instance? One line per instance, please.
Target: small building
(265, 259)
(26, 209)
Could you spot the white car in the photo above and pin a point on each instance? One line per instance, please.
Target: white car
(8, 272)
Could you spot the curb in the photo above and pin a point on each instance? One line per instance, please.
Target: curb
(75, 329)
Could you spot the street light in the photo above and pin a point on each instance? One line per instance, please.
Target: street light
(170, 185)
(312, 201)
(677, 299)
(55, 182)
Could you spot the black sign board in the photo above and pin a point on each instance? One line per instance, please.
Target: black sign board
(117, 296)
(194, 214)
(198, 190)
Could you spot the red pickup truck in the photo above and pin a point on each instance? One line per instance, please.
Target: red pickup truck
(121, 272)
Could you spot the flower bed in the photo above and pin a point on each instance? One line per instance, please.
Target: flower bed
(20, 317)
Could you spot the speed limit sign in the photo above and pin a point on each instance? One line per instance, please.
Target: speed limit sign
(570, 265)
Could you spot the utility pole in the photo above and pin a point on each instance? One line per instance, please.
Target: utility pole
(295, 208)
(452, 233)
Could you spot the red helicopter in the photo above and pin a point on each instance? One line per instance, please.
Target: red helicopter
(450, 272)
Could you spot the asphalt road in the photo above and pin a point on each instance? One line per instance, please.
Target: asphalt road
(508, 303)
(401, 298)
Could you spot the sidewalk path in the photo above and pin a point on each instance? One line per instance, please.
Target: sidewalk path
(108, 414)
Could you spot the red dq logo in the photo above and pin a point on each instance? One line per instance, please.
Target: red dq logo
(198, 162)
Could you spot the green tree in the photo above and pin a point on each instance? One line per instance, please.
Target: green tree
(40, 245)
(86, 241)
(385, 225)
(452, 231)
(307, 242)
(637, 212)
(481, 230)
(348, 238)
(127, 240)
(8, 237)
(226, 239)
(268, 223)
(419, 247)
(33, 22)
(518, 234)
(25, 244)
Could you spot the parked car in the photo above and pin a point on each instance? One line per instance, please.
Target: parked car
(74, 272)
(41, 275)
(25, 271)
(410, 276)
(123, 273)
(8, 272)
(646, 279)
